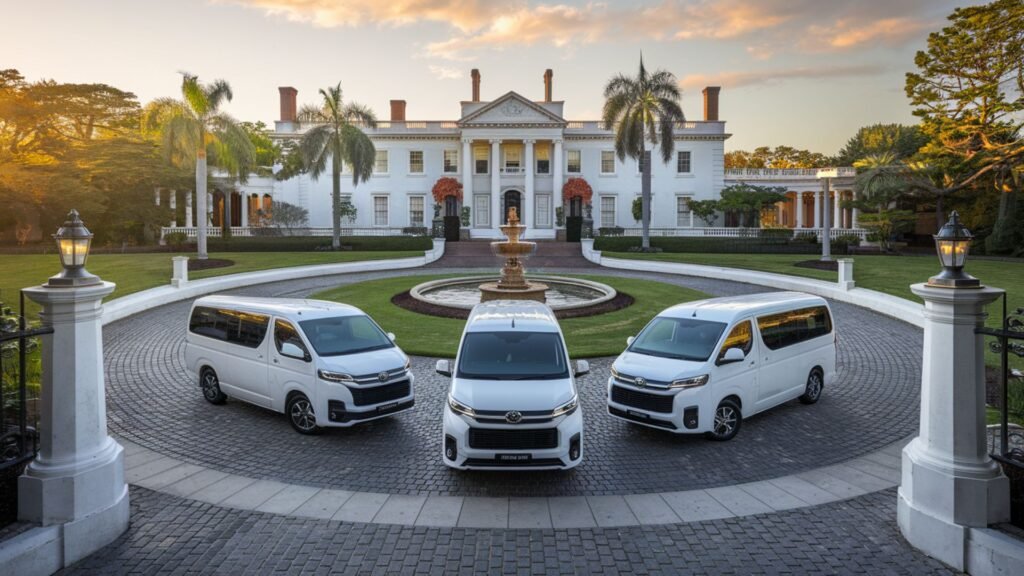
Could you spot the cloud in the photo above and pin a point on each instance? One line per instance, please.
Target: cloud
(769, 77)
(445, 72)
(845, 34)
(464, 15)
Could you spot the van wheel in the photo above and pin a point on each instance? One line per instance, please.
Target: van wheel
(727, 421)
(300, 414)
(815, 384)
(211, 387)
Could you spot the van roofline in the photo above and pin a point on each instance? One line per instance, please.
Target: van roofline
(728, 308)
(295, 308)
(503, 314)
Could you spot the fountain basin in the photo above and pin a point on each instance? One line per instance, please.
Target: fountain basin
(561, 294)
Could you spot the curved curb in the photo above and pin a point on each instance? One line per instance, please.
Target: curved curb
(876, 471)
(893, 306)
(120, 308)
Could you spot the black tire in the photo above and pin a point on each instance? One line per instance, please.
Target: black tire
(210, 385)
(728, 419)
(299, 411)
(815, 384)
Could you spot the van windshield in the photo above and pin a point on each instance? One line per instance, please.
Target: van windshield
(513, 356)
(344, 335)
(679, 338)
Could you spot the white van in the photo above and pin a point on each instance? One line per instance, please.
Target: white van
(321, 363)
(703, 366)
(513, 402)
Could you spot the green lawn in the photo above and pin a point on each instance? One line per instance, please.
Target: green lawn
(135, 272)
(602, 335)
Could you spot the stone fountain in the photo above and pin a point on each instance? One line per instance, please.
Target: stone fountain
(513, 284)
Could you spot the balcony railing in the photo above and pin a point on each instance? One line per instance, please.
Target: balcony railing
(721, 232)
(780, 173)
(191, 232)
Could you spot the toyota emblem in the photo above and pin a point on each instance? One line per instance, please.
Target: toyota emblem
(514, 417)
(640, 382)
(383, 376)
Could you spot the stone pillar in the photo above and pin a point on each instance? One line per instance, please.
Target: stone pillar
(527, 216)
(557, 164)
(949, 483)
(799, 209)
(172, 201)
(496, 184)
(188, 209)
(837, 210)
(467, 177)
(817, 209)
(77, 479)
(846, 273)
(180, 277)
(854, 212)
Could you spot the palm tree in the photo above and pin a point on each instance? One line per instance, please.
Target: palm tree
(881, 182)
(643, 110)
(194, 127)
(337, 138)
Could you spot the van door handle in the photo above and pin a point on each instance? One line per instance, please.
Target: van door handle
(275, 361)
(752, 363)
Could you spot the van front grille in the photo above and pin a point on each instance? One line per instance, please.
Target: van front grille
(378, 394)
(521, 439)
(642, 400)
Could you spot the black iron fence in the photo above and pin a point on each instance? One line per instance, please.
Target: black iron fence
(1007, 440)
(19, 385)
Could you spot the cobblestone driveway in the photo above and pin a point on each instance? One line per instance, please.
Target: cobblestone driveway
(152, 402)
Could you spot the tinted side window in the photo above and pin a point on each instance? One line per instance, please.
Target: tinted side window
(788, 328)
(741, 337)
(285, 332)
(233, 326)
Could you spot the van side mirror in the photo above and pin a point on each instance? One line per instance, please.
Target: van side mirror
(391, 336)
(294, 351)
(630, 340)
(731, 355)
(582, 368)
(444, 368)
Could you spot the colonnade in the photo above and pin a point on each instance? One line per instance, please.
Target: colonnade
(249, 214)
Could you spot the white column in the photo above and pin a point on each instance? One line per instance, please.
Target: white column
(467, 177)
(799, 209)
(817, 209)
(949, 483)
(780, 213)
(77, 479)
(244, 199)
(188, 209)
(496, 215)
(855, 212)
(556, 172)
(172, 201)
(527, 215)
(837, 216)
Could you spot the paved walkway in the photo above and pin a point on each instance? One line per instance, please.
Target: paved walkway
(477, 253)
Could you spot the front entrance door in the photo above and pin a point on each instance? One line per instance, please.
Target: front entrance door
(452, 221)
(513, 199)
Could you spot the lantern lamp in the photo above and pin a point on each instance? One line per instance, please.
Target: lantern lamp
(952, 243)
(73, 241)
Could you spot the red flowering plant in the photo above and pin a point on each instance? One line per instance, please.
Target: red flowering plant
(445, 187)
(577, 188)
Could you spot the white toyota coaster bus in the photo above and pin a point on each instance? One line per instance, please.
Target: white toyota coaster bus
(513, 402)
(704, 366)
(321, 363)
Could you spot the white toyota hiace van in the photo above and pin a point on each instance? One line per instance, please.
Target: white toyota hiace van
(321, 363)
(704, 366)
(513, 402)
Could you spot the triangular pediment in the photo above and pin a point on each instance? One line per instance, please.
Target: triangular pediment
(511, 109)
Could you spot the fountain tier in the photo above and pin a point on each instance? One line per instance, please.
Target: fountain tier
(513, 284)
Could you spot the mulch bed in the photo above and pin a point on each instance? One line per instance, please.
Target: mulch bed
(196, 264)
(819, 265)
(404, 300)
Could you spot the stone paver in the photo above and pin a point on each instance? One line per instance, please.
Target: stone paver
(571, 512)
(481, 512)
(324, 504)
(440, 511)
(528, 513)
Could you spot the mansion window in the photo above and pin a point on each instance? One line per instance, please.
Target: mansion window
(451, 161)
(543, 211)
(416, 210)
(573, 162)
(482, 210)
(607, 211)
(513, 159)
(607, 162)
(380, 165)
(684, 217)
(683, 162)
(416, 161)
(380, 210)
(480, 160)
(543, 159)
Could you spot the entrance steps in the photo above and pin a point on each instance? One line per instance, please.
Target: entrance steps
(477, 254)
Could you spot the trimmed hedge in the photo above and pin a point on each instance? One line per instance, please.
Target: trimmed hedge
(309, 244)
(714, 245)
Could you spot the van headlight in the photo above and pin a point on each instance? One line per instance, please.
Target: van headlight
(408, 364)
(615, 373)
(567, 408)
(460, 408)
(690, 382)
(334, 376)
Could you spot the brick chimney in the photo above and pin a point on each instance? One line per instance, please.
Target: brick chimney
(711, 103)
(547, 84)
(475, 75)
(287, 103)
(398, 110)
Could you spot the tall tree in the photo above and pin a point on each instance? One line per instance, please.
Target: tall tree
(778, 157)
(900, 141)
(193, 128)
(643, 111)
(882, 180)
(337, 139)
(969, 93)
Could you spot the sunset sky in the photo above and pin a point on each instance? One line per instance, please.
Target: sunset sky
(804, 73)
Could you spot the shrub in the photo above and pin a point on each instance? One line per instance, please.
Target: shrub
(309, 244)
(415, 230)
(611, 231)
(175, 239)
(610, 243)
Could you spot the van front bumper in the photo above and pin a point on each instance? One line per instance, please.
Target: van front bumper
(559, 457)
(339, 415)
(686, 416)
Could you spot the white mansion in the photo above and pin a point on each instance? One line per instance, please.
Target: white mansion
(514, 151)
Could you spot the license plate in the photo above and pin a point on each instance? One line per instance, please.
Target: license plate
(388, 406)
(638, 414)
(514, 457)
